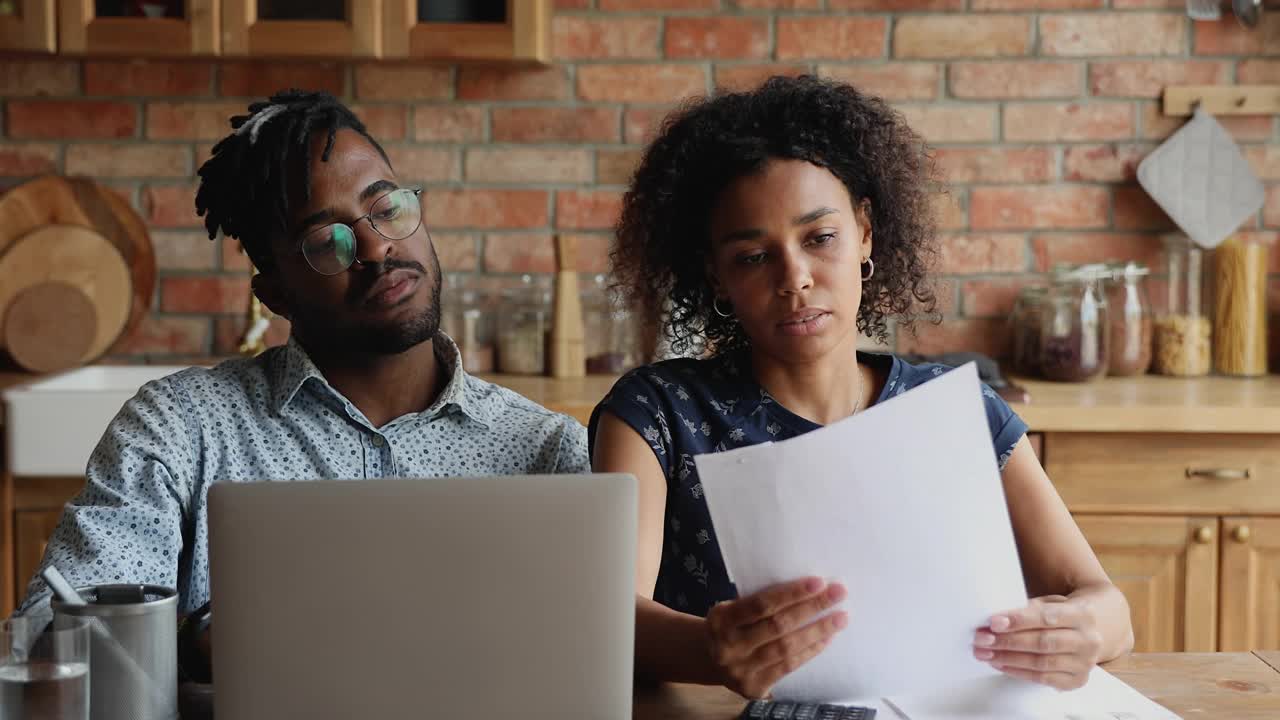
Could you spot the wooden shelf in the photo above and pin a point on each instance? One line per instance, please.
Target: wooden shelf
(524, 37)
(1222, 99)
(83, 32)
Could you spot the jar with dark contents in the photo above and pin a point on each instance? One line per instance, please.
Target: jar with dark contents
(1073, 325)
(612, 342)
(1131, 321)
(1025, 330)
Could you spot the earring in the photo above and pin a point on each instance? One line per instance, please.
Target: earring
(715, 305)
(871, 271)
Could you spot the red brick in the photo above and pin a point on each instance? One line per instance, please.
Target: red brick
(384, 122)
(746, 77)
(457, 252)
(515, 83)
(1053, 122)
(614, 167)
(519, 252)
(1104, 163)
(1244, 128)
(22, 159)
(166, 335)
(658, 4)
(1271, 210)
(587, 209)
(229, 332)
(896, 5)
(170, 206)
(265, 78)
(184, 250)
(830, 37)
(1113, 34)
(1148, 78)
(961, 36)
(1078, 248)
(995, 165)
(140, 160)
(572, 4)
(403, 82)
(640, 83)
(992, 80)
(192, 120)
(950, 209)
(1149, 4)
(205, 294)
(891, 81)
(423, 164)
(1258, 72)
(946, 291)
(1229, 37)
(640, 124)
(529, 165)
(1135, 210)
(578, 37)
(988, 298)
(232, 258)
(496, 209)
(593, 251)
(131, 78)
(776, 4)
(963, 253)
(448, 123)
(952, 123)
(989, 336)
(56, 119)
(1264, 159)
(981, 5)
(38, 77)
(1010, 208)
(717, 37)
(555, 124)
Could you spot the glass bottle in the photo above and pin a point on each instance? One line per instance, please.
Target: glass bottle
(468, 320)
(1131, 324)
(1181, 333)
(1025, 330)
(523, 326)
(1073, 325)
(612, 337)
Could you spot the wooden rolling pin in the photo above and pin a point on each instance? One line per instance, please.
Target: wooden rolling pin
(567, 346)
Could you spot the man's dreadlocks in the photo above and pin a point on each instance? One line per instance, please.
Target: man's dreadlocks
(245, 187)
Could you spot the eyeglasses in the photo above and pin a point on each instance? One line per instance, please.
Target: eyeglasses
(331, 249)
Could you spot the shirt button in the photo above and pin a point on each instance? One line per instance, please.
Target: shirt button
(377, 441)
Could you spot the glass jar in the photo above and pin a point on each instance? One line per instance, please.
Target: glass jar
(468, 320)
(1025, 330)
(1181, 332)
(1131, 325)
(523, 327)
(1073, 325)
(1240, 307)
(612, 345)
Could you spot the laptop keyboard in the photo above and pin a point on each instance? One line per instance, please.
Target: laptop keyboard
(790, 710)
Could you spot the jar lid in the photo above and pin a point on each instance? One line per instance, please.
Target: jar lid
(1128, 270)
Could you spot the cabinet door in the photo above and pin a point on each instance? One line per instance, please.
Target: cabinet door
(1167, 568)
(302, 28)
(33, 530)
(502, 30)
(139, 27)
(30, 27)
(1250, 584)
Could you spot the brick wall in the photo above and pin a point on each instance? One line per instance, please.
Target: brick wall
(1039, 109)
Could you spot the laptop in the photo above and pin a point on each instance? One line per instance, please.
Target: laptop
(480, 597)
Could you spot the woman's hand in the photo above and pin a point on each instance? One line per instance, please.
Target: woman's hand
(757, 640)
(1054, 640)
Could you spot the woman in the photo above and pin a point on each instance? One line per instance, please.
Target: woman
(770, 229)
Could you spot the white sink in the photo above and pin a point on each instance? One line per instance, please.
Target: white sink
(52, 425)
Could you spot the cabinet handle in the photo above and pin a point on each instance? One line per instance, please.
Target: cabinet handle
(1220, 473)
(1204, 535)
(1241, 534)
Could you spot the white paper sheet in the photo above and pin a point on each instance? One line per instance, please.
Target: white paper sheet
(903, 504)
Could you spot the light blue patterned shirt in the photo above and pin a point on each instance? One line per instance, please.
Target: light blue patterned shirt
(141, 517)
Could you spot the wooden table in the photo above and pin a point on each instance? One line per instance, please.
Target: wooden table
(1231, 686)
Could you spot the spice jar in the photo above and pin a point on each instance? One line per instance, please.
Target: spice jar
(523, 326)
(612, 338)
(1073, 325)
(1131, 324)
(468, 320)
(1025, 330)
(1181, 333)
(1239, 281)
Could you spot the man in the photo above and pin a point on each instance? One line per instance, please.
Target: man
(367, 387)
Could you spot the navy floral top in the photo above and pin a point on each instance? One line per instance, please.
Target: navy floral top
(685, 407)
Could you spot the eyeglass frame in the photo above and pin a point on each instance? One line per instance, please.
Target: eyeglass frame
(417, 194)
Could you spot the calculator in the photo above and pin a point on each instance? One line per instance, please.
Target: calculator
(792, 710)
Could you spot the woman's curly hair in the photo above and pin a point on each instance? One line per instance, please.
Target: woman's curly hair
(660, 258)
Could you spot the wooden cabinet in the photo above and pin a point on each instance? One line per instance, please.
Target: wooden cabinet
(1250, 583)
(32, 28)
(30, 508)
(32, 530)
(187, 27)
(413, 30)
(288, 28)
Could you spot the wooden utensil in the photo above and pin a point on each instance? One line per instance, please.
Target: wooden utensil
(49, 327)
(79, 257)
(568, 337)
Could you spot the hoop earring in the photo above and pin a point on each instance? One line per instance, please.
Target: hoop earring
(715, 305)
(871, 272)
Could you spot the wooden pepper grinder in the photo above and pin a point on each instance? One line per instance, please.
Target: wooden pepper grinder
(568, 337)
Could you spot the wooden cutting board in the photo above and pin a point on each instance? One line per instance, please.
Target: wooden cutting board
(58, 200)
(78, 257)
(49, 327)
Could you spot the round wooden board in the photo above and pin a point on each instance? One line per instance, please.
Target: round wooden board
(49, 327)
(79, 257)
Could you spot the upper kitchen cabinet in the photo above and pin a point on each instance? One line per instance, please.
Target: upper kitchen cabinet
(28, 25)
(133, 27)
(302, 28)
(489, 30)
